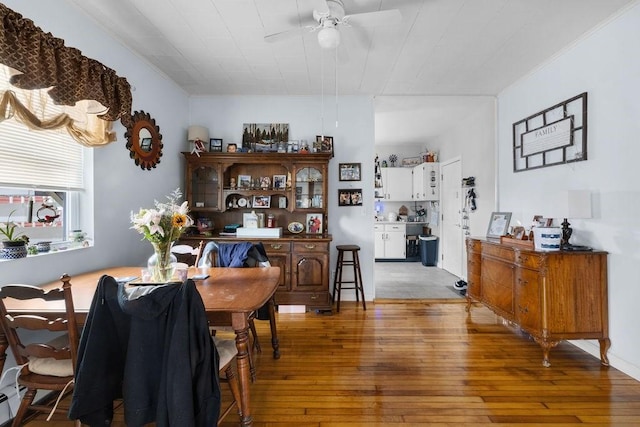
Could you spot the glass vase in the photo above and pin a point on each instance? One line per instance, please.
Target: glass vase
(162, 263)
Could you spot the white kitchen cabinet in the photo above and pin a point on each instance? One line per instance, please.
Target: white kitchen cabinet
(426, 182)
(390, 241)
(397, 184)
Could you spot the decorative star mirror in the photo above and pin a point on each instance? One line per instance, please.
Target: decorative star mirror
(144, 140)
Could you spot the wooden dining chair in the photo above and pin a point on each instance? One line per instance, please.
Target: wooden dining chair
(257, 257)
(187, 253)
(227, 352)
(42, 365)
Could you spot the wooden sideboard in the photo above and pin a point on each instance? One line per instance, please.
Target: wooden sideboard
(553, 296)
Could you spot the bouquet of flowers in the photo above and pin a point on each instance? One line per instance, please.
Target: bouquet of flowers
(162, 226)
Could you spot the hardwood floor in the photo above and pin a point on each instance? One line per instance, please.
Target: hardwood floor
(426, 363)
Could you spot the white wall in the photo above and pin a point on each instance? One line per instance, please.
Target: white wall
(473, 139)
(352, 140)
(607, 66)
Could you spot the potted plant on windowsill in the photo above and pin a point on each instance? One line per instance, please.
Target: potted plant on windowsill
(14, 245)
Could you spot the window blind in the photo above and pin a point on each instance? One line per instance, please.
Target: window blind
(45, 159)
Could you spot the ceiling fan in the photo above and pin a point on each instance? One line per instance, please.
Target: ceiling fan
(329, 14)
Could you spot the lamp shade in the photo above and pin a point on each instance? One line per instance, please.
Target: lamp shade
(578, 204)
(329, 38)
(198, 132)
(571, 204)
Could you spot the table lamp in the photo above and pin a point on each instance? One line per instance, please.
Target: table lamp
(198, 135)
(577, 205)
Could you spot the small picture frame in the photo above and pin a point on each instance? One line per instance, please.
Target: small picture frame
(540, 221)
(518, 232)
(244, 181)
(265, 182)
(324, 144)
(261, 202)
(215, 145)
(349, 171)
(282, 202)
(314, 223)
(498, 224)
(350, 197)
(279, 182)
(232, 147)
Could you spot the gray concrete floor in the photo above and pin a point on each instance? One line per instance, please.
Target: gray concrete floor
(412, 280)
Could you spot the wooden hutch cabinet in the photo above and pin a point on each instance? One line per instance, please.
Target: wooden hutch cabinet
(553, 296)
(292, 188)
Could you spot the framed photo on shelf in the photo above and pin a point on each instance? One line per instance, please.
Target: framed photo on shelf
(279, 182)
(244, 181)
(498, 224)
(350, 171)
(314, 223)
(518, 232)
(265, 182)
(350, 197)
(539, 221)
(215, 145)
(324, 144)
(261, 202)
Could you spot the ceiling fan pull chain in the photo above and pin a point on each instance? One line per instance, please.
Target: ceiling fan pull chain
(322, 94)
(336, 82)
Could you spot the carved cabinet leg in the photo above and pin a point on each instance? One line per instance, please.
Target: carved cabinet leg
(605, 343)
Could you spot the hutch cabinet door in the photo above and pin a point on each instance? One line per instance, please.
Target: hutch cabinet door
(310, 267)
(310, 187)
(204, 187)
(280, 256)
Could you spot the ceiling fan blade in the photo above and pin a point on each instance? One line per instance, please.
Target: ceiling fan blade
(378, 18)
(287, 34)
(320, 6)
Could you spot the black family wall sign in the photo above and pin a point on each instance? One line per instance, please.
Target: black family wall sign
(551, 137)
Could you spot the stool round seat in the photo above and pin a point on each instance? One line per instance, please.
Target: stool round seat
(338, 281)
(348, 247)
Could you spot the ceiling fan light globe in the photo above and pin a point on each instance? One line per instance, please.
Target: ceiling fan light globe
(329, 38)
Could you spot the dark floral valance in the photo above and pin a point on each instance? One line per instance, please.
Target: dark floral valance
(45, 61)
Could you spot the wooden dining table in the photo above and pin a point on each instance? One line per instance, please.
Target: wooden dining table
(229, 295)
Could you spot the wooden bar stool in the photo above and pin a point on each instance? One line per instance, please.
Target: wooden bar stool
(357, 275)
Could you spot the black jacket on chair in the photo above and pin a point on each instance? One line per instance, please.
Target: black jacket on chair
(154, 351)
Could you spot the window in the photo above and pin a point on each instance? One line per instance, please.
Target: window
(40, 215)
(42, 173)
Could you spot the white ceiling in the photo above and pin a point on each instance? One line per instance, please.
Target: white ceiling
(441, 47)
(448, 54)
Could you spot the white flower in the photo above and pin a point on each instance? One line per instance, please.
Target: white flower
(165, 223)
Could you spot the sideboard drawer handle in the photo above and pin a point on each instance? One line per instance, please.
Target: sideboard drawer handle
(276, 246)
(309, 246)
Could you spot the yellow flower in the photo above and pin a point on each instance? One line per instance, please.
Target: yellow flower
(179, 220)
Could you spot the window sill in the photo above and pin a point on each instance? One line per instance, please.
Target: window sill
(59, 247)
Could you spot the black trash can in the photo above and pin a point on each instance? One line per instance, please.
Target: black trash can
(429, 250)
